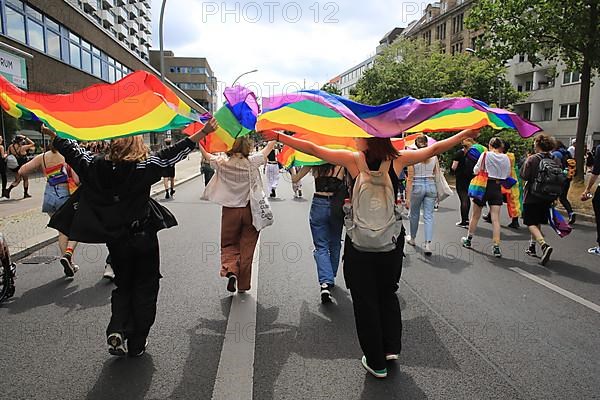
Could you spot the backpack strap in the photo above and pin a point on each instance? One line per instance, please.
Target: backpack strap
(385, 166)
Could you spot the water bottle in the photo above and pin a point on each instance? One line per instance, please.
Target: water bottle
(347, 209)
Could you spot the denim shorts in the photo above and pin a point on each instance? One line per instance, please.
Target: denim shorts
(54, 198)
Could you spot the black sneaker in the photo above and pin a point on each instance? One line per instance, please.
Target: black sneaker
(487, 218)
(167, 196)
(138, 353)
(463, 224)
(116, 345)
(546, 252)
(572, 219)
(172, 192)
(299, 193)
(273, 194)
(514, 225)
(68, 266)
(325, 293)
(497, 252)
(466, 242)
(231, 283)
(26, 196)
(531, 250)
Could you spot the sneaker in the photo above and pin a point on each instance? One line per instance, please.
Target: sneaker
(531, 250)
(427, 249)
(325, 293)
(411, 241)
(172, 192)
(392, 357)
(546, 252)
(594, 250)
(108, 272)
(68, 266)
(463, 224)
(487, 218)
(497, 252)
(140, 352)
(380, 373)
(26, 196)
(273, 194)
(466, 242)
(300, 193)
(116, 345)
(572, 218)
(514, 225)
(167, 196)
(436, 207)
(231, 282)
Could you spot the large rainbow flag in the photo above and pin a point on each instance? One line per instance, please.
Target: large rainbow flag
(315, 111)
(289, 157)
(136, 104)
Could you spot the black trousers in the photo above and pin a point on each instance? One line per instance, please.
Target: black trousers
(462, 189)
(373, 282)
(596, 204)
(3, 174)
(136, 263)
(564, 200)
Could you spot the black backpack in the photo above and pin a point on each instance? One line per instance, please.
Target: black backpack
(550, 179)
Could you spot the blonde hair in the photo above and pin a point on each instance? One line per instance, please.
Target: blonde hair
(242, 145)
(128, 149)
(468, 142)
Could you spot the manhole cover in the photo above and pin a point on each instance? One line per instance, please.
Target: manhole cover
(40, 260)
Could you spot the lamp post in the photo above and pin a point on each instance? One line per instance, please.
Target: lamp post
(498, 77)
(161, 40)
(245, 73)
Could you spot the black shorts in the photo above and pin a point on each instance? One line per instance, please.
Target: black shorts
(168, 172)
(493, 194)
(536, 213)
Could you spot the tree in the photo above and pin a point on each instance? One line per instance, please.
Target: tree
(565, 30)
(413, 68)
(331, 88)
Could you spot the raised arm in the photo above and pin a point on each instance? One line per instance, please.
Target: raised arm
(268, 148)
(76, 156)
(297, 177)
(31, 166)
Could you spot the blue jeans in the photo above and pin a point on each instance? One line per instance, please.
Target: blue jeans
(424, 193)
(327, 238)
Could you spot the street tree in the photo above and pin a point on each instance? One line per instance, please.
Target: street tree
(331, 89)
(565, 30)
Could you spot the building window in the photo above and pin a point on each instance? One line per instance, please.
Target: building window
(458, 23)
(526, 114)
(521, 58)
(15, 24)
(569, 111)
(528, 86)
(548, 114)
(52, 44)
(571, 77)
(519, 88)
(97, 67)
(86, 61)
(35, 35)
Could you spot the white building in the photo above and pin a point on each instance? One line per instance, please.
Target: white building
(129, 21)
(349, 78)
(553, 98)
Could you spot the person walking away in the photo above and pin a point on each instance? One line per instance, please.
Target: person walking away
(497, 165)
(513, 196)
(113, 206)
(296, 186)
(422, 193)
(206, 170)
(19, 149)
(463, 166)
(231, 188)
(326, 221)
(3, 155)
(59, 176)
(272, 172)
(587, 194)
(544, 178)
(374, 170)
(568, 164)
(169, 177)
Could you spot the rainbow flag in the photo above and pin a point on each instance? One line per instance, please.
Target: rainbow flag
(476, 151)
(289, 157)
(315, 111)
(136, 104)
(236, 118)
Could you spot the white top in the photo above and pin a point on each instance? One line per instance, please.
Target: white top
(497, 165)
(425, 169)
(230, 187)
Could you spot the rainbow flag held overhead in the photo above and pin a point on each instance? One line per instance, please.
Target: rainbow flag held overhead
(476, 151)
(136, 104)
(288, 157)
(315, 111)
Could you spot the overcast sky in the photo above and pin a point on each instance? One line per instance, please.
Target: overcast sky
(288, 42)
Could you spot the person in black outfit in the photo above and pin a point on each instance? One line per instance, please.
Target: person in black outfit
(586, 195)
(168, 175)
(113, 206)
(463, 166)
(3, 156)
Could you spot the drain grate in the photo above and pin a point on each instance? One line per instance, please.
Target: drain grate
(39, 260)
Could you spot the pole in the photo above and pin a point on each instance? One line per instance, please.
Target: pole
(245, 73)
(161, 39)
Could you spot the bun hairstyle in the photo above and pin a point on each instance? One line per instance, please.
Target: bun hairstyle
(421, 141)
(496, 143)
(544, 142)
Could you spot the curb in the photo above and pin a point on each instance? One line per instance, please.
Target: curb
(21, 254)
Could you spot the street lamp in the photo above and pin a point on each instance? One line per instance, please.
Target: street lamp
(245, 73)
(161, 40)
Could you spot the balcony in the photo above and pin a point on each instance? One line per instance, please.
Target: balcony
(108, 19)
(89, 6)
(142, 22)
(122, 31)
(143, 38)
(132, 10)
(108, 4)
(148, 15)
(121, 14)
(134, 28)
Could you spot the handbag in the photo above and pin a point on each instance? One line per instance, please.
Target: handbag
(479, 182)
(441, 184)
(262, 215)
(508, 183)
(11, 162)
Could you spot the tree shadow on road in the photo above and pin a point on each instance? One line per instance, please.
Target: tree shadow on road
(124, 378)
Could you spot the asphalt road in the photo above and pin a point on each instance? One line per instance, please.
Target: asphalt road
(474, 327)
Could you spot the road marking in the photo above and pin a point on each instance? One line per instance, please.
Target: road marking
(235, 375)
(559, 290)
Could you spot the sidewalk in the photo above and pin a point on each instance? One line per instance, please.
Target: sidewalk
(24, 225)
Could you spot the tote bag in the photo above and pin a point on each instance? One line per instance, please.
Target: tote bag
(11, 162)
(443, 189)
(262, 215)
(479, 182)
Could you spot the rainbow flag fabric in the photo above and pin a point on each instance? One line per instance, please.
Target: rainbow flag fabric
(476, 151)
(315, 111)
(136, 104)
(288, 157)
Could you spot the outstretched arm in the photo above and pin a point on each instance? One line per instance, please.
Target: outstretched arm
(297, 177)
(268, 148)
(31, 166)
(76, 156)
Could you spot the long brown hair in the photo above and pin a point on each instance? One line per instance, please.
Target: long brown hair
(380, 149)
(242, 145)
(128, 149)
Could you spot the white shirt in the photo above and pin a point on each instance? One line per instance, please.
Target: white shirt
(230, 187)
(425, 169)
(571, 150)
(497, 165)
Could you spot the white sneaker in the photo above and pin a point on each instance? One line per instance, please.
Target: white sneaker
(427, 249)
(108, 272)
(411, 241)
(116, 345)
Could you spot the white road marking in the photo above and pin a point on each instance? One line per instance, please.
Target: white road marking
(235, 375)
(559, 290)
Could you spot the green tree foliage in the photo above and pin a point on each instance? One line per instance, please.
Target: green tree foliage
(332, 89)
(565, 30)
(413, 68)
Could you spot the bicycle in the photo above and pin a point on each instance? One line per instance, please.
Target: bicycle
(9, 269)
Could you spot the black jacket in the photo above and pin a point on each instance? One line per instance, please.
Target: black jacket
(114, 198)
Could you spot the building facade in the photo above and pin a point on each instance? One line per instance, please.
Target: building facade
(192, 75)
(55, 46)
(349, 78)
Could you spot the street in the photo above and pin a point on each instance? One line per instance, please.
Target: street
(474, 327)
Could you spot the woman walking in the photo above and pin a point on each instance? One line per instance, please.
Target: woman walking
(463, 165)
(272, 172)
(58, 177)
(19, 149)
(231, 187)
(113, 206)
(169, 177)
(497, 166)
(326, 221)
(422, 193)
(373, 276)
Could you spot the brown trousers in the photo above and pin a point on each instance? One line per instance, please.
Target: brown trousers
(238, 241)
